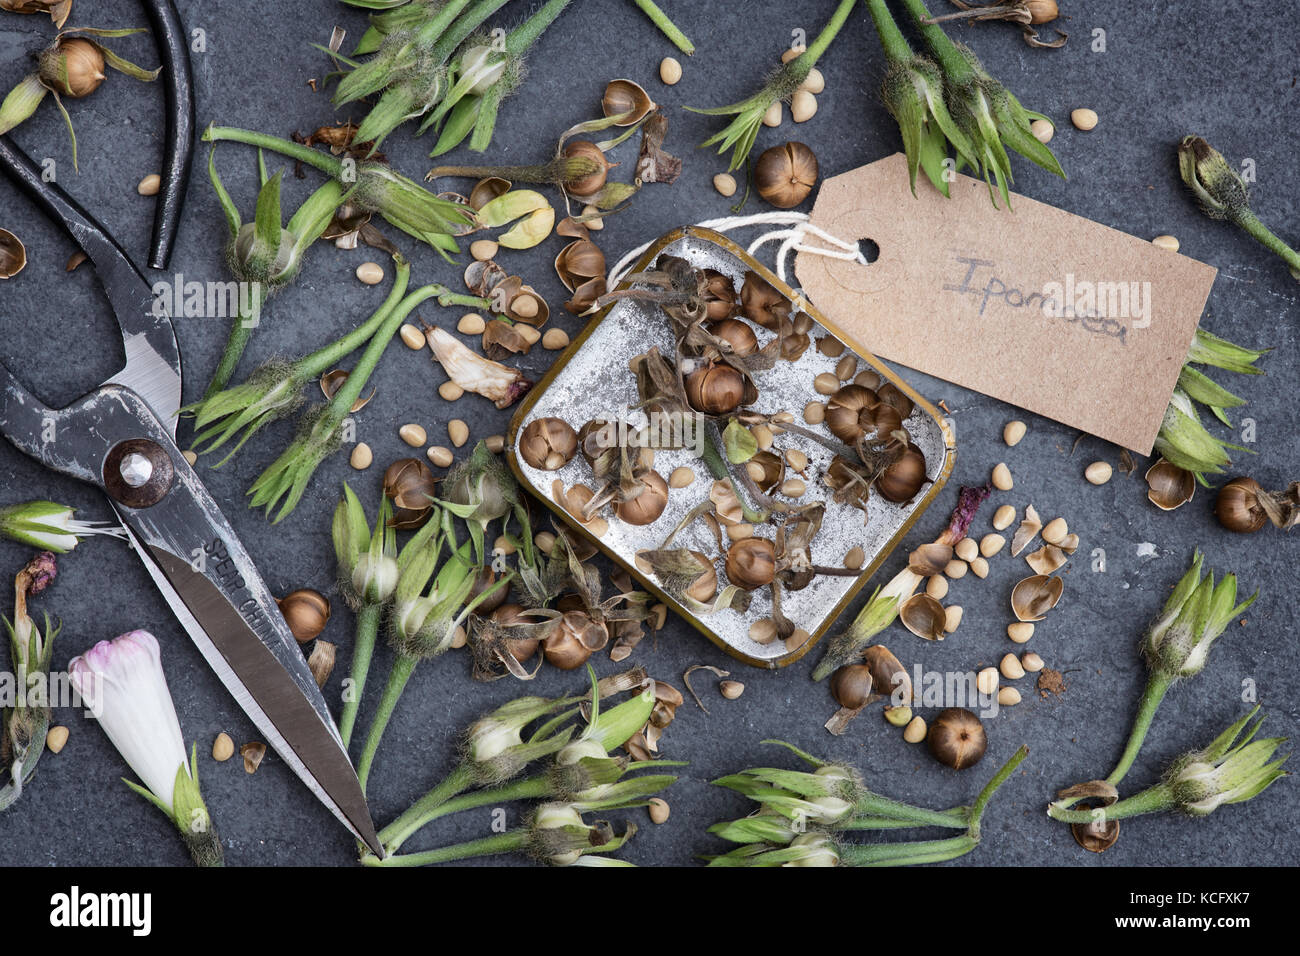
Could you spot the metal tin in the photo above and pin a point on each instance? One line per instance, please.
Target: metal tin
(591, 380)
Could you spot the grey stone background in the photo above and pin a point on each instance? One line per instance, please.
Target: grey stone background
(1167, 70)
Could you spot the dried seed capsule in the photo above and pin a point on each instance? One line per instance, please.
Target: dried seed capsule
(1043, 130)
(991, 544)
(951, 618)
(1002, 477)
(899, 716)
(150, 185)
(440, 456)
(555, 339)
(1031, 662)
(658, 810)
(1054, 531)
(1020, 631)
(371, 273)
(1008, 697)
(483, 249)
(450, 391)
(986, 681)
(1004, 517)
(223, 748)
(914, 732)
(1098, 473)
(56, 738)
(803, 106)
(412, 337)
(855, 558)
(1166, 242)
(670, 71)
(471, 323)
(979, 567)
(1011, 668)
(361, 456)
(725, 184)
(681, 477)
(967, 549)
(458, 432)
(937, 587)
(1084, 119)
(1012, 432)
(774, 114)
(414, 435)
(814, 413)
(731, 689)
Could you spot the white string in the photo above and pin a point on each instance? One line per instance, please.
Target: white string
(792, 240)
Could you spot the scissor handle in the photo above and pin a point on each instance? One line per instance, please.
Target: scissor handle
(178, 91)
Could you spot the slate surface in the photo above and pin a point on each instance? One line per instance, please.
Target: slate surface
(1161, 75)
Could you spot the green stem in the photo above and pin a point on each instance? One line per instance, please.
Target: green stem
(1151, 800)
(403, 667)
(1155, 691)
(458, 32)
(362, 650)
(423, 810)
(669, 29)
(511, 841)
(717, 465)
(891, 38)
(304, 154)
(240, 332)
(990, 788)
(823, 41)
(323, 359)
(527, 33)
(907, 854)
(1248, 221)
(879, 812)
(957, 70)
(530, 788)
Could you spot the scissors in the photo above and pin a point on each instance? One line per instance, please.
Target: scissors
(121, 437)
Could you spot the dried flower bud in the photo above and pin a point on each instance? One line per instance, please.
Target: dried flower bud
(649, 501)
(411, 486)
(715, 389)
(73, 67)
(751, 563)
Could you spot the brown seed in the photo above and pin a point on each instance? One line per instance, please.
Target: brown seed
(815, 82)
(190, 457)
(763, 435)
(798, 639)
(503, 545)
(440, 456)
(1043, 130)
(956, 568)
(371, 273)
(803, 106)
(794, 488)
(458, 432)
(1008, 697)
(361, 456)
(450, 391)
(223, 748)
(899, 716)
(459, 638)
(986, 681)
(414, 435)
(526, 332)
(412, 337)
(814, 413)
(1166, 242)
(658, 810)
(681, 477)
(1084, 119)
(763, 631)
(796, 459)
(483, 249)
(471, 323)
(792, 52)
(1054, 531)
(855, 558)
(826, 383)
(951, 618)
(555, 339)
(150, 185)
(56, 737)
(731, 689)
(773, 115)
(979, 567)
(544, 541)
(1031, 662)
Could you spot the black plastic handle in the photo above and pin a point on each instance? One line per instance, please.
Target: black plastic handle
(173, 48)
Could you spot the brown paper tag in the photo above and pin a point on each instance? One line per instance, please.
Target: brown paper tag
(1038, 307)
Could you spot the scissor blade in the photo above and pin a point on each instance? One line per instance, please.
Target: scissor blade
(264, 689)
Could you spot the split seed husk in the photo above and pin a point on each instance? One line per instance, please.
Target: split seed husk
(923, 616)
(1033, 597)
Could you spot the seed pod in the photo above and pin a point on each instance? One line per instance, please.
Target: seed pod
(751, 563)
(1238, 506)
(715, 389)
(957, 739)
(785, 175)
(625, 97)
(306, 611)
(649, 502)
(888, 675)
(1168, 486)
(548, 443)
(762, 304)
(851, 686)
(13, 255)
(590, 156)
(902, 480)
(923, 616)
(72, 67)
(1033, 597)
(579, 262)
(720, 299)
(736, 334)
(410, 485)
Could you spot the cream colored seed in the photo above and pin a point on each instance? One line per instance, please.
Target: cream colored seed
(361, 456)
(803, 106)
(658, 810)
(979, 567)
(223, 748)
(899, 716)
(459, 638)
(1031, 662)
(1004, 517)
(471, 323)
(56, 738)
(544, 541)
(670, 71)
(483, 249)
(815, 82)
(951, 618)
(1012, 432)
(440, 456)
(503, 545)
(1098, 473)
(798, 639)
(150, 185)
(191, 458)
(967, 549)
(794, 488)
(1166, 242)
(412, 337)
(785, 417)
(681, 477)
(555, 339)
(763, 631)
(991, 544)
(826, 383)
(731, 689)
(1011, 668)
(956, 568)
(725, 184)
(814, 413)
(774, 114)
(937, 587)
(371, 273)
(1002, 477)
(1054, 531)
(414, 435)
(740, 530)
(597, 526)
(755, 470)
(450, 391)
(1043, 130)
(914, 732)
(986, 681)
(855, 558)
(595, 225)
(1008, 697)
(527, 333)
(792, 52)
(1020, 631)
(458, 432)
(525, 306)
(1084, 119)
(763, 435)
(495, 443)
